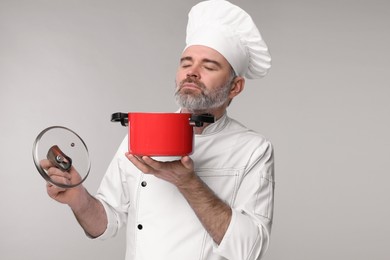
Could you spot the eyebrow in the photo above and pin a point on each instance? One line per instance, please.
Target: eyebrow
(189, 58)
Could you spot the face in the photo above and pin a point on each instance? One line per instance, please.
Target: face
(203, 79)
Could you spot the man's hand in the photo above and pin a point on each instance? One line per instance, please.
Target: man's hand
(180, 173)
(89, 211)
(71, 177)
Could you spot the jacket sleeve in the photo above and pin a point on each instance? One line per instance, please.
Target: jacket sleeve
(248, 234)
(114, 195)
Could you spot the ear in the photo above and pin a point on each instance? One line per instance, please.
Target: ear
(237, 87)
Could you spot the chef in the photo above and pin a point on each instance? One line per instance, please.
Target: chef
(216, 203)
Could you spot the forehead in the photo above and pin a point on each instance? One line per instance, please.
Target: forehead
(200, 52)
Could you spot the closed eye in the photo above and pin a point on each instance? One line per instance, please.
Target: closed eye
(211, 64)
(209, 68)
(186, 62)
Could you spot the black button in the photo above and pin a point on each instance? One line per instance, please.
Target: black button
(140, 226)
(143, 184)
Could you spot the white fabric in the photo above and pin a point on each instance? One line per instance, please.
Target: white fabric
(236, 163)
(228, 29)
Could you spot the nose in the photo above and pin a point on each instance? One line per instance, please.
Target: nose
(193, 72)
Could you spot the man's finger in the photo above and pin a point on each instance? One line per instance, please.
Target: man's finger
(52, 172)
(152, 163)
(45, 164)
(139, 163)
(187, 162)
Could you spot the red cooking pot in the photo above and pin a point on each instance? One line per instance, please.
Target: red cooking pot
(161, 134)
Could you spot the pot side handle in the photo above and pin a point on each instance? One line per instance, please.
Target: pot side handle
(198, 120)
(123, 118)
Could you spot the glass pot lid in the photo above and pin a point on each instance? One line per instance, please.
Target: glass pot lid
(66, 151)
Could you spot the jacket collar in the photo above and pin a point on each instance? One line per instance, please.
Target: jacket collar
(216, 126)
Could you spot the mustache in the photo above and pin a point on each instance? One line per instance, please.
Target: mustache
(198, 83)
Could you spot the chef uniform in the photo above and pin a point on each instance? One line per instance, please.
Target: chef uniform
(234, 161)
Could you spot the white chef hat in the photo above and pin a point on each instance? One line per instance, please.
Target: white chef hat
(228, 29)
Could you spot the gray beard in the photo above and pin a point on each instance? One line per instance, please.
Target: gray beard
(204, 101)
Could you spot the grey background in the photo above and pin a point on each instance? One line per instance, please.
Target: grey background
(325, 106)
